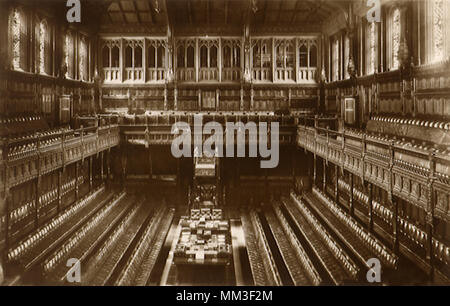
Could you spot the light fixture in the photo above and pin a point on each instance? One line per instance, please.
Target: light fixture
(157, 8)
(255, 6)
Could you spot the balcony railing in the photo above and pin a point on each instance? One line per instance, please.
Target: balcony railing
(209, 74)
(262, 74)
(134, 74)
(186, 74)
(156, 74)
(111, 74)
(285, 74)
(231, 74)
(306, 74)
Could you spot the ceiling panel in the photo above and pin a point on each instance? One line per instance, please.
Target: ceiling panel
(220, 13)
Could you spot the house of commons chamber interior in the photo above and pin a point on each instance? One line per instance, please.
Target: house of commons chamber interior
(328, 124)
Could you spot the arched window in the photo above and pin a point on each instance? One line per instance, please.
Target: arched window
(190, 57)
(83, 60)
(105, 56)
(346, 56)
(128, 57)
(227, 57)
(395, 38)
(151, 57)
(303, 56)
(69, 55)
(336, 60)
(203, 56)
(371, 48)
(138, 57)
(115, 57)
(290, 55)
(213, 57)
(18, 39)
(231, 55)
(438, 30)
(43, 41)
(280, 56)
(262, 56)
(256, 57)
(266, 56)
(161, 57)
(180, 57)
(313, 56)
(236, 56)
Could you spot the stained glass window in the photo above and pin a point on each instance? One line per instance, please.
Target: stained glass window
(395, 38)
(336, 60)
(371, 48)
(18, 34)
(346, 56)
(69, 55)
(43, 47)
(438, 30)
(83, 61)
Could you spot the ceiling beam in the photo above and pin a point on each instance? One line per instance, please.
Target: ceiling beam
(294, 16)
(207, 11)
(152, 12)
(280, 6)
(265, 11)
(122, 11)
(226, 11)
(167, 17)
(189, 11)
(137, 12)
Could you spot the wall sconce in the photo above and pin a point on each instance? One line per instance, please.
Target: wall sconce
(255, 6)
(157, 8)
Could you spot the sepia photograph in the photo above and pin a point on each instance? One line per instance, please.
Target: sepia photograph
(237, 145)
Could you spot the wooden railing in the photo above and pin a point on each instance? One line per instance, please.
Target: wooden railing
(26, 158)
(285, 74)
(306, 75)
(134, 74)
(262, 74)
(208, 74)
(391, 165)
(231, 74)
(156, 74)
(186, 75)
(111, 74)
